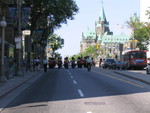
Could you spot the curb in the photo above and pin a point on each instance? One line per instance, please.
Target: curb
(3, 94)
(138, 79)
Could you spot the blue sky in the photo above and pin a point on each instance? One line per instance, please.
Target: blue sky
(117, 13)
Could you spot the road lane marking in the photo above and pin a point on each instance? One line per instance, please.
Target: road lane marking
(125, 81)
(74, 82)
(121, 80)
(135, 84)
(71, 76)
(80, 93)
(89, 112)
(69, 73)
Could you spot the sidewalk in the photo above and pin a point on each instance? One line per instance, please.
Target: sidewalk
(15, 82)
(143, 77)
(134, 74)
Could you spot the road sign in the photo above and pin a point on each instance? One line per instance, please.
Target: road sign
(18, 45)
(97, 46)
(26, 32)
(17, 39)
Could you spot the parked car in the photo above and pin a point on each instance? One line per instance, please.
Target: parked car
(108, 63)
(119, 65)
(148, 69)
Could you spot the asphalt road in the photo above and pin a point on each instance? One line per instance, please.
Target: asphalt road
(80, 91)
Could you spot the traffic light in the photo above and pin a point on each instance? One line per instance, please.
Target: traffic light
(97, 46)
(62, 41)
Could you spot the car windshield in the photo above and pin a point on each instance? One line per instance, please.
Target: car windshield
(110, 60)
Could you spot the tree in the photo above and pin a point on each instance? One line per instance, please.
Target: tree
(92, 51)
(148, 13)
(55, 42)
(140, 32)
(50, 14)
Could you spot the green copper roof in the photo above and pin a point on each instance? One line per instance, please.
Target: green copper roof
(102, 14)
(89, 34)
(114, 38)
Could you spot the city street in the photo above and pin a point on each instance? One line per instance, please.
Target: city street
(110, 38)
(80, 91)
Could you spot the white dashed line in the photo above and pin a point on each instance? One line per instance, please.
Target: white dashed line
(89, 112)
(80, 93)
(71, 76)
(74, 82)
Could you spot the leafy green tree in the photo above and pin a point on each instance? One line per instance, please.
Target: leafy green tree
(50, 14)
(140, 32)
(92, 51)
(55, 42)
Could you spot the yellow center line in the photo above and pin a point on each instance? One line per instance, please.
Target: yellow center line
(121, 80)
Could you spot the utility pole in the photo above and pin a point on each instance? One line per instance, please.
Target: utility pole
(19, 2)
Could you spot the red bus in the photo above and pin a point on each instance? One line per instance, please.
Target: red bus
(135, 59)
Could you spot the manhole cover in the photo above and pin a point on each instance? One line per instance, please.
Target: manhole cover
(94, 103)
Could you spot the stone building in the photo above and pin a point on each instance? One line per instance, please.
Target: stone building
(103, 36)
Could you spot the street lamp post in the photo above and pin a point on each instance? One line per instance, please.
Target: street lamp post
(3, 24)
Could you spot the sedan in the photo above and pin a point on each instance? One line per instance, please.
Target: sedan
(119, 65)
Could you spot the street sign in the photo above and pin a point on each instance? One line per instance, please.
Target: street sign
(17, 39)
(26, 32)
(18, 45)
(37, 33)
(97, 46)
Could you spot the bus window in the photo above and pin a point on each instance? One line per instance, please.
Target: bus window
(138, 55)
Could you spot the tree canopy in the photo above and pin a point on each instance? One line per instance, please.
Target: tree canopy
(91, 51)
(50, 14)
(55, 42)
(140, 32)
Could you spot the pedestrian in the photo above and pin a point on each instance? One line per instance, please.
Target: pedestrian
(15, 68)
(93, 62)
(45, 61)
(88, 63)
(37, 63)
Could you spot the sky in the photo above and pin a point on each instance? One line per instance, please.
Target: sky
(117, 12)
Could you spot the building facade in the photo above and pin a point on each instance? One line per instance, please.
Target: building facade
(103, 36)
(9, 45)
(9, 30)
